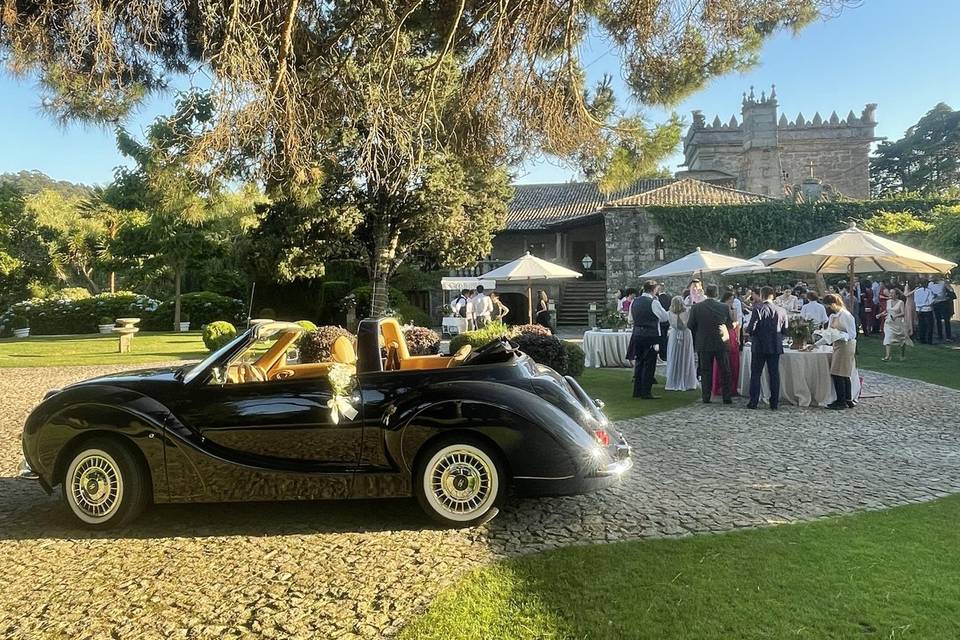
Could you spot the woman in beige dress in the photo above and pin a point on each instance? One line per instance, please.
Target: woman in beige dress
(895, 327)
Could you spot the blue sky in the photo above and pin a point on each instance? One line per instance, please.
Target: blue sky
(901, 54)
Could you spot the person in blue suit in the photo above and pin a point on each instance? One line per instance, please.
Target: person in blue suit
(768, 322)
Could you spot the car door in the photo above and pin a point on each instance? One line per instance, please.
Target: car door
(277, 424)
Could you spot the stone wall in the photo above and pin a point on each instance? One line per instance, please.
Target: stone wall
(631, 237)
(843, 165)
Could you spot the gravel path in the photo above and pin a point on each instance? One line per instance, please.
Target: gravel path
(362, 569)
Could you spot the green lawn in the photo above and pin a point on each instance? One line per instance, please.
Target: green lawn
(49, 351)
(939, 364)
(615, 388)
(885, 574)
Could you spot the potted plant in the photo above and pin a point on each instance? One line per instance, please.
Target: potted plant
(612, 320)
(105, 324)
(185, 322)
(800, 332)
(21, 326)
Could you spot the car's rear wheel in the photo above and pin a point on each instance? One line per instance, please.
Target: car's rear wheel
(460, 483)
(105, 485)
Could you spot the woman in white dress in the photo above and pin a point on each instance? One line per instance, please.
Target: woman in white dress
(681, 366)
(895, 327)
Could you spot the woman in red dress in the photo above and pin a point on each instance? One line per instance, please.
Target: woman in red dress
(733, 328)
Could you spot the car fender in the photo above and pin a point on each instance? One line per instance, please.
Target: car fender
(73, 413)
(536, 438)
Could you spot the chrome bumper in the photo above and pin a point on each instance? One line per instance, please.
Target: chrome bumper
(24, 472)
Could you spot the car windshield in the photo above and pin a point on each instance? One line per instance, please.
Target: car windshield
(207, 362)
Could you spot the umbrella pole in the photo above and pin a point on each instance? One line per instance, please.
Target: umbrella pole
(850, 279)
(529, 301)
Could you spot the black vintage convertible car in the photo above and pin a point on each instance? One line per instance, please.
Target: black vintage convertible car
(252, 423)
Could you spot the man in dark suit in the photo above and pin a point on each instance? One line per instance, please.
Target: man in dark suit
(647, 314)
(710, 324)
(664, 299)
(767, 324)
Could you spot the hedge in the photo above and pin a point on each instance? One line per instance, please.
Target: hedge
(770, 225)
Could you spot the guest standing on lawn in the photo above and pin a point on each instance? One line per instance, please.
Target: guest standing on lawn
(665, 302)
(647, 314)
(681, 365)
(733, 328)
(768, 322)
(711, 338)
(895, 326)
(842, 362)
(923, 299)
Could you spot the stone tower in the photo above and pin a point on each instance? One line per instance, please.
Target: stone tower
(765, 153)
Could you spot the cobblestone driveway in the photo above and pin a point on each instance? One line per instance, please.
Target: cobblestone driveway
(329, 570)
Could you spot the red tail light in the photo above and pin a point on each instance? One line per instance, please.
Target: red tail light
(602, 436)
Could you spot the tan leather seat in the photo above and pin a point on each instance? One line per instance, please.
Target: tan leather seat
(342, 351)
(398, 354)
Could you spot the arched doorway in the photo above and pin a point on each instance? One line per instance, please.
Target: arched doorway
(517, 303)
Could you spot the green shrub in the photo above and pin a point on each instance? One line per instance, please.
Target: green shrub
(106, 320)
(422, 341)
(315, 346)
(575, 359)
(56, 316)
(307, 325)
(204, 307)
(410, 314)
(545, 350)
(20, 322)
(71, 293)
(217, 334)
(479, 337)
(363, 294)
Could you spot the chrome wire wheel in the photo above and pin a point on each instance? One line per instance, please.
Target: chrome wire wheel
(94, 486)
(460, 482)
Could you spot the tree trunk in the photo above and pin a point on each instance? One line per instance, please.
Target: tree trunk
(177, 278)
(382, 262)
(113, 282)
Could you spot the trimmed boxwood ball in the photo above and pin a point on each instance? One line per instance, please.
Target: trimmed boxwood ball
(545, 350)
(217, 334)
(422, 341)
(575, 359)
(315, 346)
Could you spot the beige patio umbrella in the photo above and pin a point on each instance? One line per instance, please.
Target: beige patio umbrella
(530, 268)
(854, 250)
(757, 267)
(698, 262)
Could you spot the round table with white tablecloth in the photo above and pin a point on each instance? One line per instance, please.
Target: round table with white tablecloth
(606, 348)
(804, 377)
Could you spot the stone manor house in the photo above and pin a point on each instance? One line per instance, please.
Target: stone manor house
(610, 238)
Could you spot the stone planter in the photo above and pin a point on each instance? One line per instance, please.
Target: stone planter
(185, 326)
(21, 333)
(106, 328)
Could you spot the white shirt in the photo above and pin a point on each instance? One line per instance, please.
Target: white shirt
(876, 292)
(459, 303)
(471, 308)
(482, 305)
(738, 307)
(845, 323)
(816, 312)
(657, 309)
(936, 288)
(923, 298)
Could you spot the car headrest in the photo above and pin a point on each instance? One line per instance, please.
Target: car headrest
(342, 351)
(392, 332)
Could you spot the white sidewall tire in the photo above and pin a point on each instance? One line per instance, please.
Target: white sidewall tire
(118, 505)
(468, 457)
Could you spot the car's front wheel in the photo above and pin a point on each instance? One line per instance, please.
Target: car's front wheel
(105, 485)
(460, 483)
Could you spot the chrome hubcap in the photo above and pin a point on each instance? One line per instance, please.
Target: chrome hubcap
(96, 486)
(461, 482)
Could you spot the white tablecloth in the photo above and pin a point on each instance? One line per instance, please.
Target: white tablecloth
(454, 326)
(804, 378)
(606, 348)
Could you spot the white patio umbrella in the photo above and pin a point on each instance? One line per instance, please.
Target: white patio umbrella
(698, 262)
(530, 268)
(854, 250)
(757, 267)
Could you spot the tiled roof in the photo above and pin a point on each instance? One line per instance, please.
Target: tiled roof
(538, 206)
(535, 205)
(689, 192)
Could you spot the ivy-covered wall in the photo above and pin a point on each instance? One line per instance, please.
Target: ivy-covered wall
(768, 225)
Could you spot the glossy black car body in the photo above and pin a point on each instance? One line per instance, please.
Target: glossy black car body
(201, 439)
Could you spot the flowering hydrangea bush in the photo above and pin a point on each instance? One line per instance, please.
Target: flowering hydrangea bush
(422, 341)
